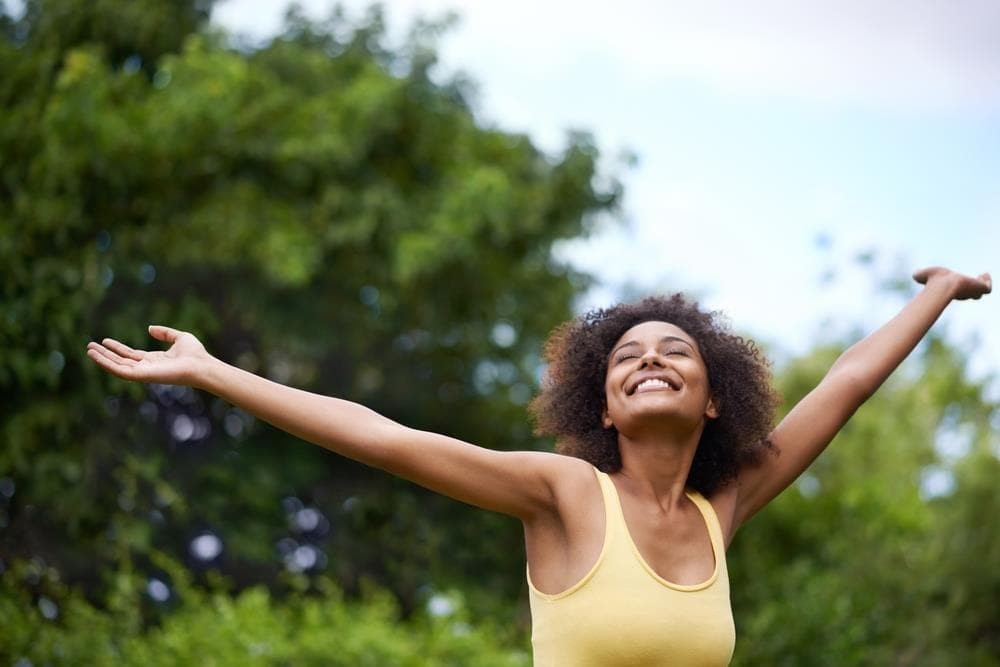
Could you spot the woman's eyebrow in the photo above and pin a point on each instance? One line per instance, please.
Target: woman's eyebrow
(667, 339)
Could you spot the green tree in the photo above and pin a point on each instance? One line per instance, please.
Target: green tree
(251, 628)
(319, 209)
(870, 558)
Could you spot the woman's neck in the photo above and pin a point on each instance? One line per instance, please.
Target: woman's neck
(657, 467)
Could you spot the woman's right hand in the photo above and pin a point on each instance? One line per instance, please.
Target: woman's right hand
(183, 362)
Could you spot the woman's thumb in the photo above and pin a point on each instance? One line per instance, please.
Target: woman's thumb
(163, 333)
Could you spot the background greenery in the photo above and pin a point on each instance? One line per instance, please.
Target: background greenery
(323, 210)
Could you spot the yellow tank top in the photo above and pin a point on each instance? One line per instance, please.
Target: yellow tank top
(623, 613)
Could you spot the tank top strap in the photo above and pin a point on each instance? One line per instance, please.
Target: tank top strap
(614, 517)
(711, 522)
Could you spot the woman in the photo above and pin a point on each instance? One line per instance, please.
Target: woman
(665, 417)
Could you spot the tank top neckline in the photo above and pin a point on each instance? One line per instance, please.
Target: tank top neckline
(612, 503)
(707, 515)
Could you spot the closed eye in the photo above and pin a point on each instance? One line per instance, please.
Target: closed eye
(635, 355)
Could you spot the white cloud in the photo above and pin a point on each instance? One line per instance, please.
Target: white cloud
(919, 52)
(903, 54)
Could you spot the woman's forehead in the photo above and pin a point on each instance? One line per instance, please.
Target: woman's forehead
(655, 330)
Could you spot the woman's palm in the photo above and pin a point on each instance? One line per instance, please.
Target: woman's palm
(179, 364)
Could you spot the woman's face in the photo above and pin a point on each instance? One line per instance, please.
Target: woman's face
(656, 375)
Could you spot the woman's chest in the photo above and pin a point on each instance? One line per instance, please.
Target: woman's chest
(621, 616)
(677, 548)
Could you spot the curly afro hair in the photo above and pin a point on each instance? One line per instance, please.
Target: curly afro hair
(572, 398)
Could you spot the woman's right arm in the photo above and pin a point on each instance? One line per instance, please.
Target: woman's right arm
(516, 483)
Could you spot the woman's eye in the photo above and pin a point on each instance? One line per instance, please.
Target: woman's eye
(627, 355)
(683, 353)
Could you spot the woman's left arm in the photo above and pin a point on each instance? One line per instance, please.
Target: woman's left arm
(810, 426)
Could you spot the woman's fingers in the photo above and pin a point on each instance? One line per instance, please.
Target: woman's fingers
(123, 350)
(984, 285)
(111, 362)
(111, 355)
(988, 281)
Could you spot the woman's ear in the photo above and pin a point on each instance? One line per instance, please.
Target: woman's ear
(711, 410)
(606, 418)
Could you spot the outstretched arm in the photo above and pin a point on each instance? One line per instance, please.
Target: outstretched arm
(516, 483)
(810, 426)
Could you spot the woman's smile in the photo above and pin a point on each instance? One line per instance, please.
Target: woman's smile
(652, 382)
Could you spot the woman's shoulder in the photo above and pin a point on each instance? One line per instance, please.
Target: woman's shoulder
(574, 469)
(568, 477)
(560, 463)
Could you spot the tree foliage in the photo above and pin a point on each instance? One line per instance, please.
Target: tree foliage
(876, 555)
(320, 210)
(251, 628)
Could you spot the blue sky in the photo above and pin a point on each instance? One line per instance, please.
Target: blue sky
(759, 130)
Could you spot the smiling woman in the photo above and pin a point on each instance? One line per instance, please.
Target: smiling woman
(572, 405)
(666, 420)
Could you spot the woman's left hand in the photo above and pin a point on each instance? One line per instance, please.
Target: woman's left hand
(963, 287)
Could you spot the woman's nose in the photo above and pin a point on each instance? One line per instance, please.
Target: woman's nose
(651, 358)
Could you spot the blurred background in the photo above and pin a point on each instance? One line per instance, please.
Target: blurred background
(396, 204)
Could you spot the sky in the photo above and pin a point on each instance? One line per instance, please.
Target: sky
(776, 142)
